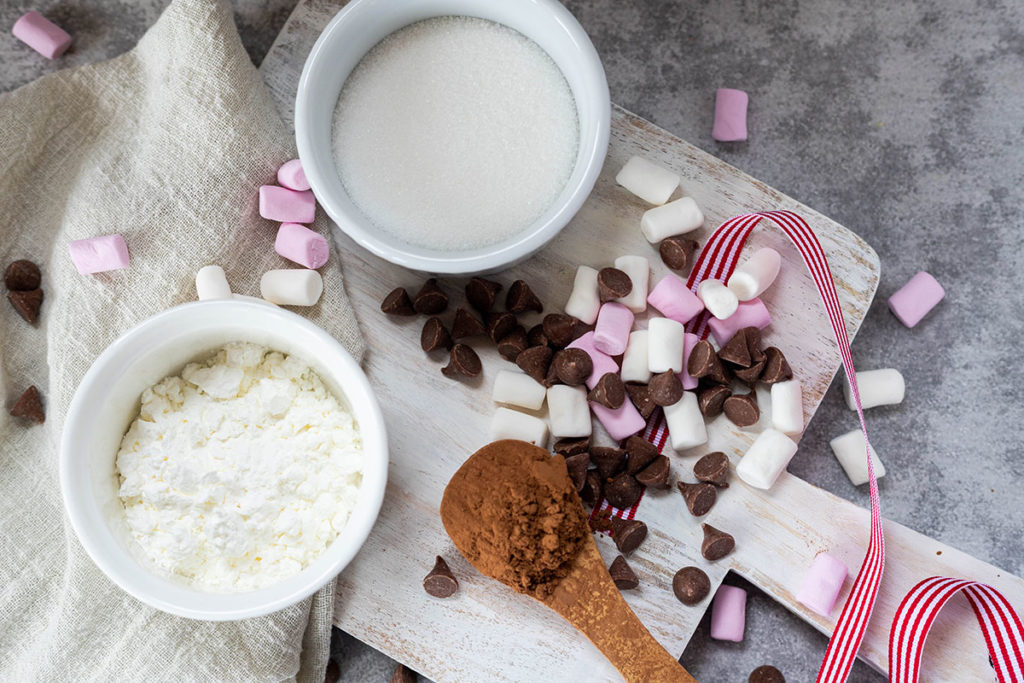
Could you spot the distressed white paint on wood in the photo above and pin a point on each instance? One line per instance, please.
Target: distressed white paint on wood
(487, 632)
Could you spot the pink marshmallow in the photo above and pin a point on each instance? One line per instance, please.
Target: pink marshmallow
(822, 584)
(99, 254)
(751, 313)
(611, 333)
(688, 380)
(603, 363)
(730, 115)
(621, 423)
(291, 176)
(42, 35)
(300, 244)
(914, 299)
(729, 613)
(674, 299)
(287, 206)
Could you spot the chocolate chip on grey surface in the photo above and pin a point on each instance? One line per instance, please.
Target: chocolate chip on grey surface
(741, 409)
(462, 362)
(332, 674)
(699, 497)
(737, 351)
(535, 361)
(397, 302)
(716, 544)
(612, 284)
(559, 328)
(536, 336)
(466, 325)
(512, 344)
(628, 534)
(609, 391)
(665, 389)
(577, 465)
(403, 674)
(29, 406)
(713, 468)
(481, 294)
(608, 461)
(641, 453)
(435, 335)
(711, 399)
(27, 304)
(623, 491)
(571, 446)
(776, 369)
(656, 474)
(520, 298)
(691, 585)
(766, 673)
(622, 574)
(499, 325)
(593, 488)
(640, 395)
(676, 252)
(440, 582)
(751, 375)
(430, 300)
(22, 276)
(573, 366)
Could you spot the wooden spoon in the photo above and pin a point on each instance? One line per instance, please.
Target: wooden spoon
(481, 510)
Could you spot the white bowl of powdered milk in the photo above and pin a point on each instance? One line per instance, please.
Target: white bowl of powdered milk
(223, 460)
(452, 136)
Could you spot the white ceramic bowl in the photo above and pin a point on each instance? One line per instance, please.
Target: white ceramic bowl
(362, 24)
(107, 401)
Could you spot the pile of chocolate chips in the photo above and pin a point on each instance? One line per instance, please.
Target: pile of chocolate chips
(23, 281)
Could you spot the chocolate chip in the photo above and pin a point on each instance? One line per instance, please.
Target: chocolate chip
(609, 391)
(676, 251)
(612, 284)
(622, 574)
(656, 474)
(702, 359)
(716, 544)
(512, 344)
(22, 276)
(737, 350)
(435, 335)
(430, 300)
(742, 410)
(623, 491)
(700, 498)
(641, 453)
(593, 488)
(397, 302)
(536, 336)
(691, 585)
(572, 446)
(463, 362)
(551, 379)
(752, 374)
(628, 534)
(535, 362)
(754, 344)
(481, 294)
(29, 406)
(440, 582)
(713, 468)
(332, 674)
(776, 369)
(577, 467)
(608, 461)
(601, 521)
(766, 674)
(520, 298)
(27, 304)
(466, 325)
(640, 395)
(665, 389)
(560, 329)
(403, 674)
(500, 325)
(572, 366)
(711, 399)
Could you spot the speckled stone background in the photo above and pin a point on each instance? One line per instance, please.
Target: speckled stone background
(902, 120)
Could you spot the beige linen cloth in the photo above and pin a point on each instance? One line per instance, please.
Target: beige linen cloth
(166, 145)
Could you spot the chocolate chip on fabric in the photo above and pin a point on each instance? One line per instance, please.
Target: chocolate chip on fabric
(466, 325)
(622, 574)
(713, 468)
(573, 366)
(435, 335)
(623, 491)
(609, 391)
(27, 304)
(430, 300)
(520, 298)
(440, 582)
(535, 361)
(716, 544)
(463, 362)
(29, 406)
(481, 294)
(700, 497)
(691, 585)
(612, 284)
(22, 275)
(628, 534)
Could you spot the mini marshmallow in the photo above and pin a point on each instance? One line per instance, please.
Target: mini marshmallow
(915, 299)
(883, 387)
(287, 206)
(568, 411)
(620, 423)
(730, 115)
(674, 300)
(303, 246)
(664, 345)
(634, 361)
(291, 176)
(584, 302)
(688, 380)
(639, 271)
(678, 217)
(686, 423)
(211, 283)
(518, 389)
(729, 613)
(822, 584)
(647, 180)
(751, 313)
(756, 274)
(788, 407)
(42, 35)
(292, 287)
(766, 458)
(720, 301)
(849, 450)
(99, 254)
(603, 363)
(511, 424)
(611, 334)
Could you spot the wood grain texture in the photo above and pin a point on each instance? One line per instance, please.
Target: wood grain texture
(487, 632)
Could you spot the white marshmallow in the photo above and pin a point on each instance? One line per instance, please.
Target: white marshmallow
(718, 299)
(518, 389)
(639, 271)
(634, 361)
(849, 450)
(568, 411)
(883, 387)
(675, 218)
(647, 180)
(766, 458)
(511, 424)
(292, 287)
(584, 302)
(788, 407)
(211, 283)
(685, 422)
(664, 345)
(756, 274)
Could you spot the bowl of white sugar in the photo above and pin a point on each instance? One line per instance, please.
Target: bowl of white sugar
(223, 460)
(452, 136)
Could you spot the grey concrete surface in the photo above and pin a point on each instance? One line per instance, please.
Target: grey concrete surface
(902, 120)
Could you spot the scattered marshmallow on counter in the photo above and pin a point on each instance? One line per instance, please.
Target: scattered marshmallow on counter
(620, 423)
(664, 345)
(647, 180)
(639, 271)
(884, 387)
(291, 176)
(674, 300)
(788, 407)
(611, 334)
(914, 300)
(287, 206)
(678, 217)
(634, 360)
(99, 254)
(720, 301)
(849, 450)
(211, 283)
(751, 313)
(568, 411)
(41, 34)
(511, 424)
(584, 302)
(729, 613)
(766, 458)
(730, 115)
(822, 584)
(603, 363)
(518, 389)
(303, 246)
(685, 423)
(756, 274)
(292, 287)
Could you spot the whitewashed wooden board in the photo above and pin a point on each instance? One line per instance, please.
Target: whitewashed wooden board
(488, 632)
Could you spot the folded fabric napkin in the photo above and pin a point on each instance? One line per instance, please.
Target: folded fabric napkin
(166, 145)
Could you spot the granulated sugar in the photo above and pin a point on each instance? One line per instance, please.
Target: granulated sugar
(455, 133)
